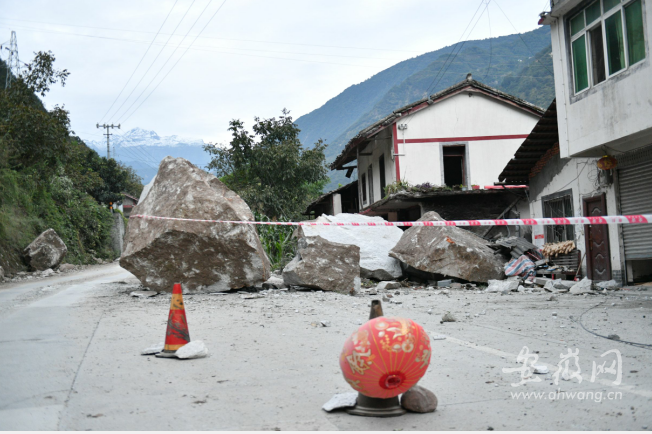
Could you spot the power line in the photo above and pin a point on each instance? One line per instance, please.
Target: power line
(178, 60)
(154, 61)
(167, 60)
(491, 47)
(223, 39)
(521, 37)
(141, 61)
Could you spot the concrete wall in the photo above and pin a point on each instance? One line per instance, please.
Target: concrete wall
(580, 176)
(117, 234)
(615, 113)
(383, 145)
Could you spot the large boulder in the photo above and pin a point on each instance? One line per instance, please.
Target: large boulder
(448, 250)
(46, 251)
(199, 255)
(323, 264)
(374, 242)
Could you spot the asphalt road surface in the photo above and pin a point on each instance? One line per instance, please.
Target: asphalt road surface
(70, 359)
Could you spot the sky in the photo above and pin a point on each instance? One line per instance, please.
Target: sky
(187, 67)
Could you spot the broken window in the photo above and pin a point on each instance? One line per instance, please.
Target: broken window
(364, 188)
(370, 175)
(559, 207)
(381, 169)
(605, 41)
(454, 165)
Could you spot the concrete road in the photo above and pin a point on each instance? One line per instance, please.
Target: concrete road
(70, 357)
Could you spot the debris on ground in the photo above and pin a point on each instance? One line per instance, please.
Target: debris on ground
(419, 400)
(323, 264)
(609, 285)
(502, 286)
(192, 350)
(541, 369)
(382, 286)
(275, 282)
(46, 251)
(466, 256)
(448, 317)
(516, 247)
(582, 287)
(143, 294)
(200, 256)
(153, 349)
(374, 242)
(67, 267)
(341, 400)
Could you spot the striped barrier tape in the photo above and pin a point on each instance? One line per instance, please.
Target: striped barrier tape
(603, 220)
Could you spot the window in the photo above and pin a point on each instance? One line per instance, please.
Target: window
(606, 38)
(364, 188)
(381, 169)
(453, 165)
(370, 175)
(556, 207)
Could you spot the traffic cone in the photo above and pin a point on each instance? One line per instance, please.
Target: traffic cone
(177, 334)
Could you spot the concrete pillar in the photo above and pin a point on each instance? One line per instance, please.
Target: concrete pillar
(337, 204)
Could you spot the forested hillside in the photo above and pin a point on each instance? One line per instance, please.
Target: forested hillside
(48, 177)
(517, 64)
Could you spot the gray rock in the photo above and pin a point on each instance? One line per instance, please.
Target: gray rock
(153, 349)
(388, 285)
(46, 273)
(444, 283)
(325, 323)
(201, 256)
(341, 400)
(502, 286)
(143, 294)
(323, 264)
(275, 282)
(2, 272)
(46, 251)
(419, 400)
(609, 285)
(582, 287)
(448, 317)
(192, 350)
(448, 250)
(66, 267)
(374, 242)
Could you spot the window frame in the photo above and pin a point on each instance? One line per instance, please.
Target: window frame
(559, 196)
(586, 32)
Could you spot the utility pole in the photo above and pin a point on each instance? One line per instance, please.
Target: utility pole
(13, 63)
(107, 134)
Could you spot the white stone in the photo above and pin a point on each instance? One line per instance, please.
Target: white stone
(143, 294)
(375, 242)
(153, 349)
(582, 287)
(502, 286)
(341, 400)
(609, 284)
(541, 369)
(192, 350)
(276, 282)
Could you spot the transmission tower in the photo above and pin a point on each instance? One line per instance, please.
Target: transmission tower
(13, 63)
(107, 134)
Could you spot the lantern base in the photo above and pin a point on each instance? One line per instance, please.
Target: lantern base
(377, 407)
(166, 354)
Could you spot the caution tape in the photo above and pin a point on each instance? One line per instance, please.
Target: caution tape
(602, 220)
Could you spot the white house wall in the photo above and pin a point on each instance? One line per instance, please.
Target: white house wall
(579, 175)
(383, 146)
(466, 118)
(615, 113)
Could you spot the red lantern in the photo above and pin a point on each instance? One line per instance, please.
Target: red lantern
(385, 357)
(607, 162)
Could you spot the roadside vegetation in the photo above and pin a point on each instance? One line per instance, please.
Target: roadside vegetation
(48, 177)
(277, 177)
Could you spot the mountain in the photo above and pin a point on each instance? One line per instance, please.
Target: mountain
(144, 149)
(518, 64)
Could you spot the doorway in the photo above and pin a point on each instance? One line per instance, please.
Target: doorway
(598, 260)
(454, 173)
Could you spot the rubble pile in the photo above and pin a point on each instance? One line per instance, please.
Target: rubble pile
(200, 256)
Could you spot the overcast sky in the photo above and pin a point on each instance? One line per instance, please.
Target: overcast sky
(253, 58)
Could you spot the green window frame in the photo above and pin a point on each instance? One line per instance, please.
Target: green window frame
(621, 26)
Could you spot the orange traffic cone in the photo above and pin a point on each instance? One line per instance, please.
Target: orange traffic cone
(177, 334)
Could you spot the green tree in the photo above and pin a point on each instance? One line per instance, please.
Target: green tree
(269, 168)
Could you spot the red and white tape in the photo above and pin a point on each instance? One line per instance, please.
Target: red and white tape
(604, 220)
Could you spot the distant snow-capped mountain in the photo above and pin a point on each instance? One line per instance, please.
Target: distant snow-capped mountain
(142, 137)
(143, 150)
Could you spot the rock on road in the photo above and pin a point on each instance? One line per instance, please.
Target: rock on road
(70, 357)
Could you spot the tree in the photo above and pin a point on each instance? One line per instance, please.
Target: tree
(270, 169)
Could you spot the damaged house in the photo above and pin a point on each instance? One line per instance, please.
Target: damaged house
(444, 154)
(600, 160)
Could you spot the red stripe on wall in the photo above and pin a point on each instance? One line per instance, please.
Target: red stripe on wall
(398, 167)
(463, 139)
